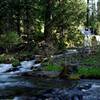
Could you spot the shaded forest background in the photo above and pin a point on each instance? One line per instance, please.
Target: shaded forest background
(31, 25)
(29, 22)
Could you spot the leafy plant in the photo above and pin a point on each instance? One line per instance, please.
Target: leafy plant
(15, 62)
(10, 38)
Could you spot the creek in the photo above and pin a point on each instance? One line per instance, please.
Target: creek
(14, 85)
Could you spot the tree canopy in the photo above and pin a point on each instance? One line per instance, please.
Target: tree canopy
(37, 20)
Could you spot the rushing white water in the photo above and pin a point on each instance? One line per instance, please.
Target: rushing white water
(25, 66)
(29, 87)
(95, 86)
(5, 67)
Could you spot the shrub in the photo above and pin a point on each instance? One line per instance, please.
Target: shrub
(9, 39)
(15, 62)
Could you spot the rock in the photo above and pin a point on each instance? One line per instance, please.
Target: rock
(24, 98)
(13, 69)
(64, 94)
(39, 58)
(16, 85)
(68, 69)
(36, 66)
(74, 77)
(51, 74)
(85, 87)
(37, 62)
(26, 74)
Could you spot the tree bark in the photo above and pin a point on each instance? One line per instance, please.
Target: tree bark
(47, 32)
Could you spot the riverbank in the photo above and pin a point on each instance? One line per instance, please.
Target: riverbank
(88, 67)
(85, 73)
(16, 58)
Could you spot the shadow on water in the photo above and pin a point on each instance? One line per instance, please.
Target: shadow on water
(13, 85)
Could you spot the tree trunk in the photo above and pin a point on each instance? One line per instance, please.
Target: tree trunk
(87, 20)
(18, 23)
(47, 32)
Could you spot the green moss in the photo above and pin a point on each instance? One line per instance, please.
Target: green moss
(74, 77)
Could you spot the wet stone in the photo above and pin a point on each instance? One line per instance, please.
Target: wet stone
(85, 86)
(24, 98)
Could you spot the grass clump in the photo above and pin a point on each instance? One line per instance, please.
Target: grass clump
(92, 60)
(93, 72)
(51, 67)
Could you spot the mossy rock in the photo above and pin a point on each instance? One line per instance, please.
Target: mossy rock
(74, 77)
(15, 62)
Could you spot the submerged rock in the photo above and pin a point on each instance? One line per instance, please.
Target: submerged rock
(84, 87)
(47, 74)
(13, 69)
(29, 88)
(16, 85)
(24, 98)
(63, 94)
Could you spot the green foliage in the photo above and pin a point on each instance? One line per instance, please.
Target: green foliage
(97, 27)
(24, 55)
(89, 71)
(61, 45)
(67, 16)
(2, 58)
(38, 36)
(90, 67)
(51, 67)
(74, 37)
(15, 62)
(30, 18)
(92, 60)
(10, 38)
(7, 58)
(68, 12)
